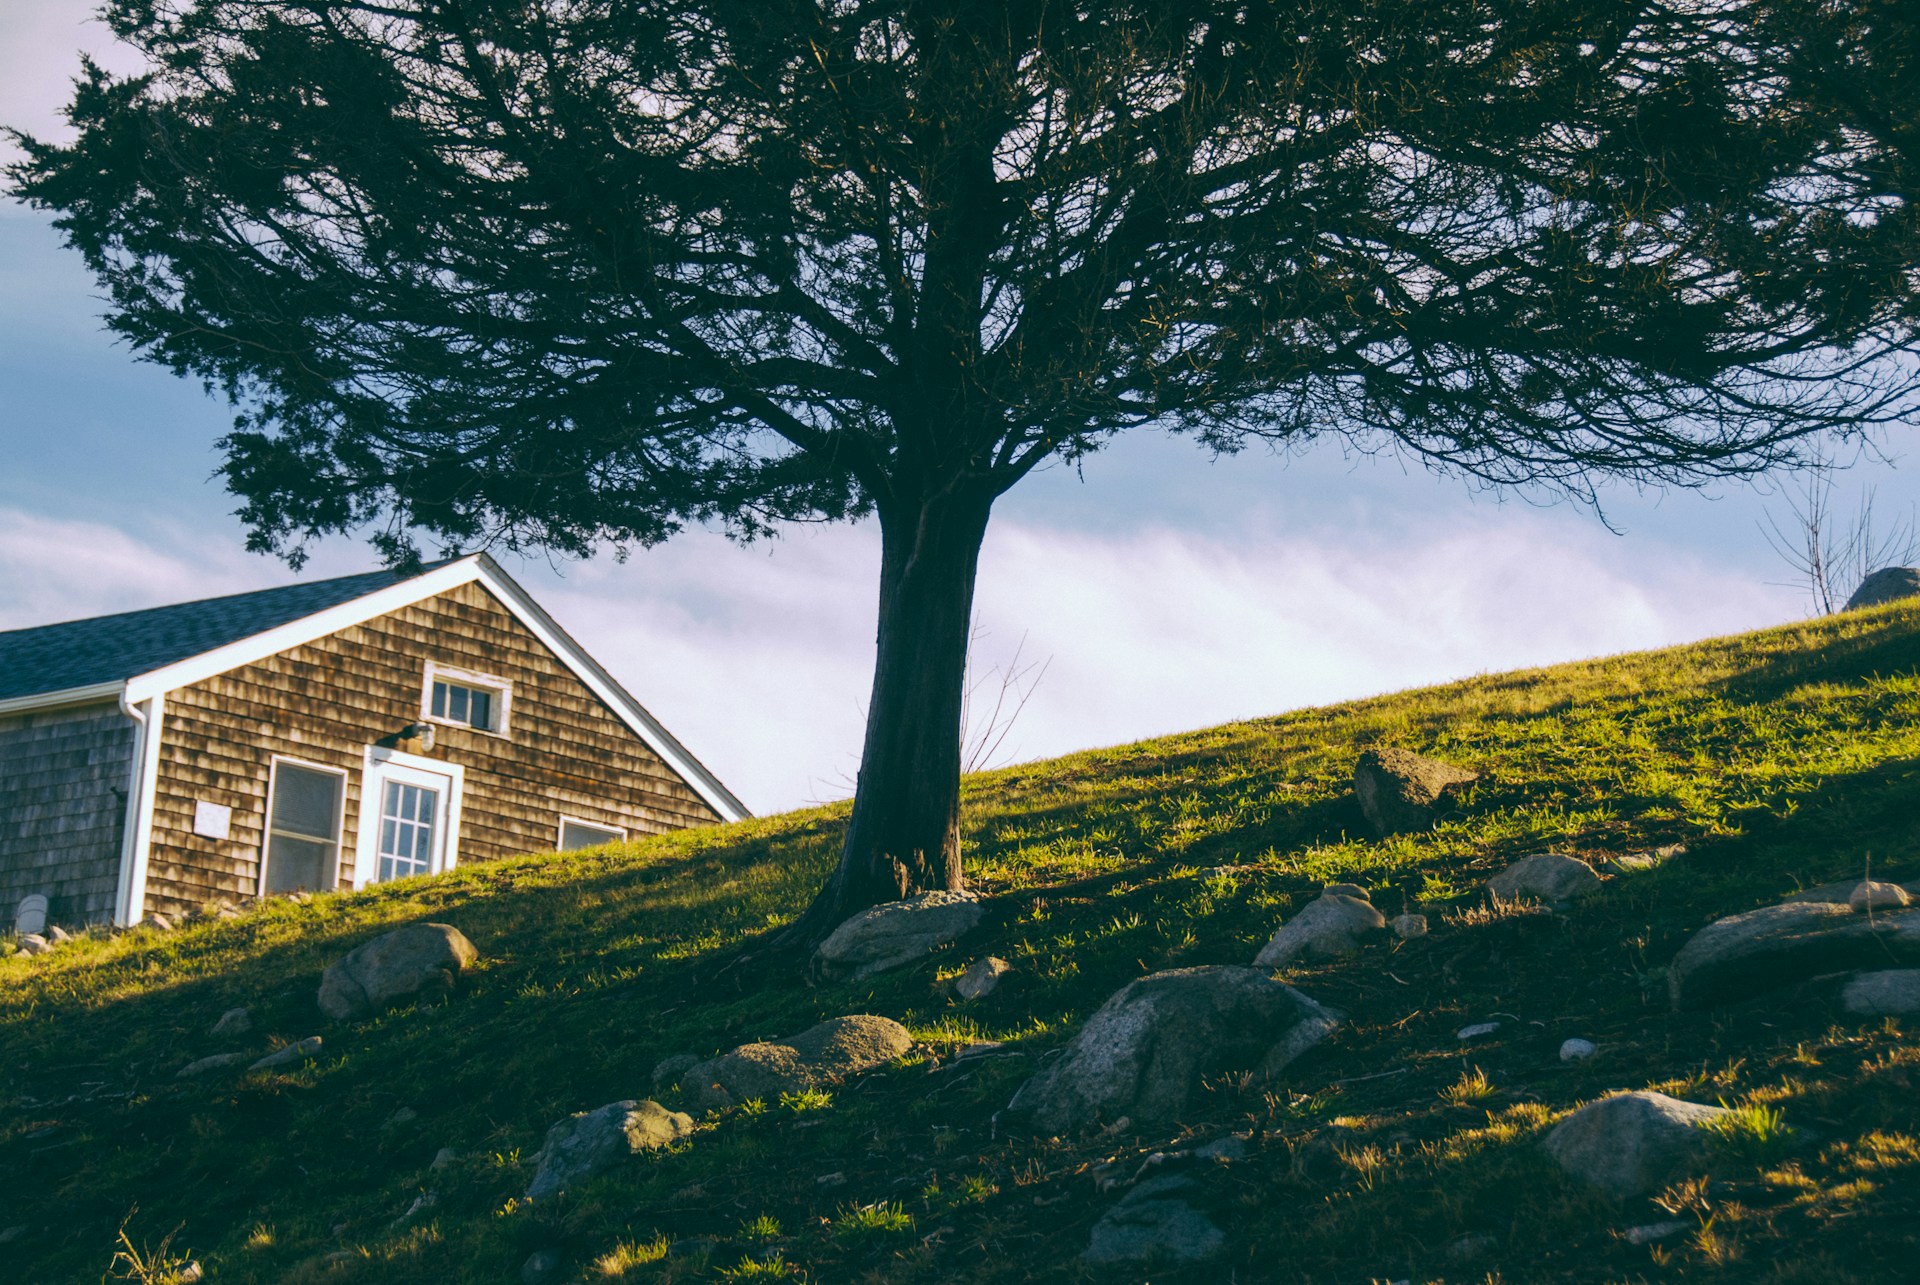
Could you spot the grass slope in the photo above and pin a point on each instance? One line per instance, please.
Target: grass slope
(1783, 759)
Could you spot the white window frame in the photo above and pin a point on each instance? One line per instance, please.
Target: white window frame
(618, 832)
(366, 851)
(266, 820)
(498, 688)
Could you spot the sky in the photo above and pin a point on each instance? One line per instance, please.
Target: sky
(1162, 590)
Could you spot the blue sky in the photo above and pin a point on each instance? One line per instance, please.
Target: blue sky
(1165, 590)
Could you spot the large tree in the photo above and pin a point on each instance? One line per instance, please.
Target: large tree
(569, 273)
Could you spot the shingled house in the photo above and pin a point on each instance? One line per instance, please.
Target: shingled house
(323, 735)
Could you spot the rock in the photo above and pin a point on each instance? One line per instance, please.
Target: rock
(1399, 790)
(1477, 1030)
(1145, 1052)
(1762, 950)
(34, 944)
(219, 1061)
(1407, 927)
(982, 977)
(1631, 1144)
(444, 1158)
(299, 1051)
(541, 1268)
(58, 936)
(896, 933)
(233, 1023)
(822, 1055)
(1548, 877)
(416, 959)
(591, 1142)
(191, 1274)
(1577, 1050)
(425, 1200)
(1869, 894)
(401, 1118)
(1330, 925)
(1648, 1233)
(1634, 863)
(834, 1179)
(158, 922)
(668, 1070)
(1891, 992)
(12, 1233)
(1150, 1223)
(1888, 584)
(1468, 1248)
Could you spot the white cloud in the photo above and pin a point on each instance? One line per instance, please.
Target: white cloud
(759, 658)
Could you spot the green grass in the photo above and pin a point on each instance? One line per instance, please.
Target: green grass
(1782, 759)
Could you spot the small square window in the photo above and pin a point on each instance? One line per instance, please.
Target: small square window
(466, 700)
(584, 834)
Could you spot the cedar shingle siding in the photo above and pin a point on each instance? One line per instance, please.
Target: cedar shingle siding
(63, 783)
(325, 702)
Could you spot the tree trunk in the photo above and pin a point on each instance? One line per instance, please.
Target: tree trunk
(904, 836)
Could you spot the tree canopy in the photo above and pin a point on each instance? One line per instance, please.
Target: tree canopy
(569, 273)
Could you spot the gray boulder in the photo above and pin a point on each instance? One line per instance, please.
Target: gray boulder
(34, 944)
(1871, 894)
(1762, 950)
(419, 959)
(217, 1062)
(1400, 791)
(1888, 584)
(896, 933)
(1888, 992)
(591, 1142)
(1144, 1054)
(1150, 1223)
(1631, 1144)
(1549, 877)
(1331, 924)
(822, 1055)
(233, 1023)
(982, 977)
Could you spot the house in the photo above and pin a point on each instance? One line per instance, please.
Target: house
(323, 735)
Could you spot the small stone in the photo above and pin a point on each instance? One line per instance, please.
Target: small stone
(443, 1158)
(979, 1048)
(668, 1070)
(425, 1200)
(191, 1274)
(982, 977)
(1407, 927)
(1149, 1223)
(1873, 895)
(1632, 1143)
(1228, 1150)
(10, 1234)
(1647, 1233)
(834, 1179)
(1468, 1248)
(541, 1267)
(233, 1023)
(217, 1062)
(56, 935)
(400, 1118)
(1330, 925)
(1577, 1050)
(1549, 877)
(591, 1142)
(35, 944)
(896, 933)
(340, 1256)
(1477, 1030)
(158, 922)
(1891, 992)
(299, 1051)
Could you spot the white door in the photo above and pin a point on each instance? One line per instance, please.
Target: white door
(409, 817)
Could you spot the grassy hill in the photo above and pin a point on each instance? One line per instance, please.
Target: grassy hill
(1781, 759)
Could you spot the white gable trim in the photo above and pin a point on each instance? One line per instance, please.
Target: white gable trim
(406, 593)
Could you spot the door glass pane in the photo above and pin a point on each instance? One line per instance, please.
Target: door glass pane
(406, 829)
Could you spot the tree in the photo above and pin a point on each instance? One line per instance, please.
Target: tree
(565, 273)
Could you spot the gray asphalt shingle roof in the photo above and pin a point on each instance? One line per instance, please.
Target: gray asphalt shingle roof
(108, 649)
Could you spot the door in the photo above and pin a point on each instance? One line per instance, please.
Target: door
(409, 817)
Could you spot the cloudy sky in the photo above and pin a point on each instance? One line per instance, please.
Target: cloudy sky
(1164, 590)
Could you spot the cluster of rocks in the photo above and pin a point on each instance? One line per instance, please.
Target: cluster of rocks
(33, 935)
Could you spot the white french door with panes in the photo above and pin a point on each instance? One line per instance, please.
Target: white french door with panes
(409, 817)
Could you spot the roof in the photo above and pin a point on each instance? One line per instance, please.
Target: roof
(111, 649)
(136, 656)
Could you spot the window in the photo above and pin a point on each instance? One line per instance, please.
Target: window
(584, 834)
(407, 815)
(463, 699)
(302, 851)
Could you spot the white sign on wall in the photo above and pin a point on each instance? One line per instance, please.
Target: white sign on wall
(212, 820)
